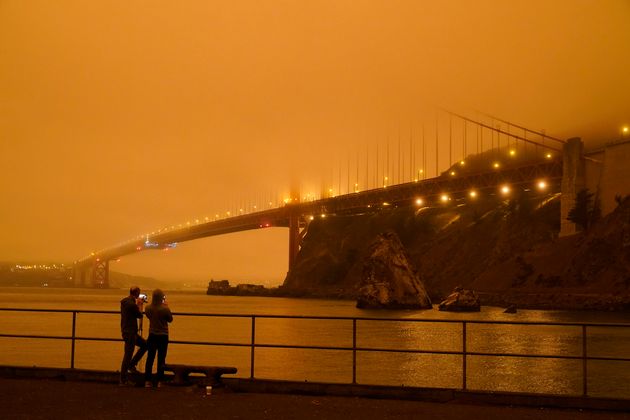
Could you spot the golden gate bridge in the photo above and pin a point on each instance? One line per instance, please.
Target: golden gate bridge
(483, 158)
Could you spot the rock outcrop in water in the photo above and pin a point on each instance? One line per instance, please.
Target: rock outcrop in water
(461, 300)
(389, 281)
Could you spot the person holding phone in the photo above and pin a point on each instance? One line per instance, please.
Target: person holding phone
(130, 312)
(159, 316)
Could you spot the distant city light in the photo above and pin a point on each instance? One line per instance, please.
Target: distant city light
(548, 155)
(505, 189)
(444, 198)
(419, 201)
(512, 152)
(542, 185)
(473, 194)
(462, 163)
(496, 164)
(452, 173)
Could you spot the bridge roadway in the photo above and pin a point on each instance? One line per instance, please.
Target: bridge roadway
(297, 215)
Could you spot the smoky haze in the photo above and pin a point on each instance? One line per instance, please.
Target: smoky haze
(121, 117)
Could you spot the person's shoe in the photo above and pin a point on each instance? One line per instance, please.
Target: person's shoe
(133, 369)
(148, 384)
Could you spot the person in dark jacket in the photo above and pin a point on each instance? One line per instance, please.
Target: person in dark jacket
(159, 316)
(130, 312)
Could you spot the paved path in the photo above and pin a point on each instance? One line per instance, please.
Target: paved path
(49, 399)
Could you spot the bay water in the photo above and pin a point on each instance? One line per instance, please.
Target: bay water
(505, 373)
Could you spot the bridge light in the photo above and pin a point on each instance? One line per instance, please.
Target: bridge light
(444, 198)
(496, 165)
(473, 194)
(419, 201)
(542, 185)
(512, 152)
(505, 190)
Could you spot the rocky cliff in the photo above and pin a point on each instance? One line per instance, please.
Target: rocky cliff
(507, 250)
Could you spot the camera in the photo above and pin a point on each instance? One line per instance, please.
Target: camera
(143, 297)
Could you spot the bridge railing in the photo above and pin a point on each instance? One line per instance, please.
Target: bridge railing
(465, 335)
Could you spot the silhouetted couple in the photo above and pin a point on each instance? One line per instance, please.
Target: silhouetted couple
(159, 316)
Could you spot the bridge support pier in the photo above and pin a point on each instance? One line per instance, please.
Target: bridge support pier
(95, 275)
(100, 274)
(294, 238)
(573, 180)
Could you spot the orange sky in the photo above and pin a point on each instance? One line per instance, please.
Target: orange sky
(120, 117)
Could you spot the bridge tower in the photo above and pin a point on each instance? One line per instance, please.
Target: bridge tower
(573, 180)
(94, 275)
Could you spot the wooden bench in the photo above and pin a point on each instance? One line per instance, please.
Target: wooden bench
(213, 373)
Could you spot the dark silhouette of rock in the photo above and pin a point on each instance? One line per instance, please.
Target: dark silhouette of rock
(389, 281)
(461, 300)
(510, 310)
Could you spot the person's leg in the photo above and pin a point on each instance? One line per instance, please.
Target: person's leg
(151, 348)
(141, 343)
(129, 340)
(162, 349)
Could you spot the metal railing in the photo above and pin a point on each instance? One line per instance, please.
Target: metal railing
(253, 345)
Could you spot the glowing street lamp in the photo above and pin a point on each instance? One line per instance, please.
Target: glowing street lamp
(512, 152)
(548, 155)
(505, 190)
(473, 194)
(452, 173)
(542, 185)
(496, 165)
(444, 198)
(419, 201)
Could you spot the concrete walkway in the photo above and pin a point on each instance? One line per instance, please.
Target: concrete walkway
(52, 399)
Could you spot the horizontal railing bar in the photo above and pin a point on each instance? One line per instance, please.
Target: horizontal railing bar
(209, 343)
(344, 318)
(340, 318)
(52, 337)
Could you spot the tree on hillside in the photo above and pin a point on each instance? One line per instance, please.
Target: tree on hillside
(586, 209)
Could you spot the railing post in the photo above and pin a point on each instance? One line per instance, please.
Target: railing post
(354, 351)
(251, 375)
(74, 328)
(584, 373)
(464, 355)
